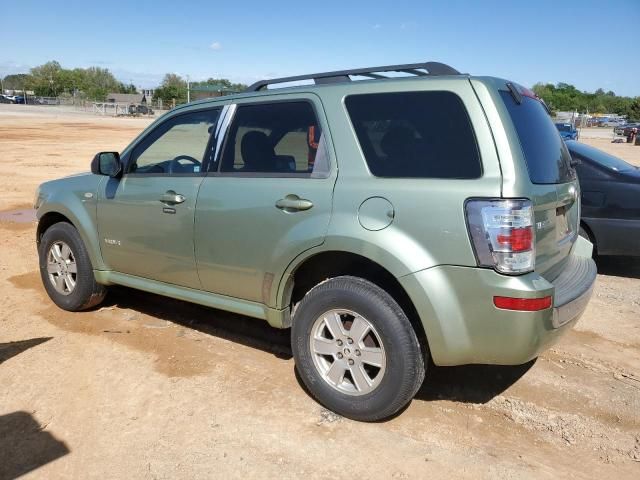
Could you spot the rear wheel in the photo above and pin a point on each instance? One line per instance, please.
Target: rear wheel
(66, 271)
(355, 349)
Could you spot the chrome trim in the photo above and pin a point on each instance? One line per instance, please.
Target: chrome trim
(228, 111)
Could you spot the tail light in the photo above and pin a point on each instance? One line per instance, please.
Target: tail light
(502, 234)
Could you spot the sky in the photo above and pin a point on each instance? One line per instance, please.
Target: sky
(589, 43)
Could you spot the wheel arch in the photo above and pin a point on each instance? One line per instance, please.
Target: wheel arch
(322, 265)
(53, 215)
(47, 220)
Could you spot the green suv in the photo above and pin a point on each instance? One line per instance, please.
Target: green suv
(392, 217)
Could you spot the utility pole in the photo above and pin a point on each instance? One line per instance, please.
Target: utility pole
(188, 91)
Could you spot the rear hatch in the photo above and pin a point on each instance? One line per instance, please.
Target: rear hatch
(554, 189)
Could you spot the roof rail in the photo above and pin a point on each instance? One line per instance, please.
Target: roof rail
(418, 69)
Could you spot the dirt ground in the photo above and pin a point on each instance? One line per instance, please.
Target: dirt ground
(147, 387)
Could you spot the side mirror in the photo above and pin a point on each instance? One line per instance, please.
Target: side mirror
(107, 163)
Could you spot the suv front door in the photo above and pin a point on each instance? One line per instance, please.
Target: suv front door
(145, 219)
(267, 199)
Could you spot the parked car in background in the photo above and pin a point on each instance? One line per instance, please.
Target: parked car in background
(619, 129)
(140, 110)
(610, 188)
(567, 131)
(627, 128)
(609, 122)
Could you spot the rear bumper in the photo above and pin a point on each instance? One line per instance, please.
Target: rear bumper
(463, 326)
(572, 290)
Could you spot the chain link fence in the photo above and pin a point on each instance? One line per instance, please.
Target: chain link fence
(153, 108)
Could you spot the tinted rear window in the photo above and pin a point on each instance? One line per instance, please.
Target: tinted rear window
(415, 135)
(548, 160)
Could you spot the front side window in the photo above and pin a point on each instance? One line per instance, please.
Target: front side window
(415, 135)
(177, 146)
(274, 138)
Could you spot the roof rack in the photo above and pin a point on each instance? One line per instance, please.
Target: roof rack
(418, 69)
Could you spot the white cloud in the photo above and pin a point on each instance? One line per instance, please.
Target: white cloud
(215, 46)
(10, 68)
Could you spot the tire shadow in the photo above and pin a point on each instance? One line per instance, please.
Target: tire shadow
(469, 383)
(25, 446)
(251, 332)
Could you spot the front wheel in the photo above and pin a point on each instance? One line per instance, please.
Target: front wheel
(66, 271)
(356, 350)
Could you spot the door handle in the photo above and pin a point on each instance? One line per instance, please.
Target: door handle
(170, 197)
(293, 203)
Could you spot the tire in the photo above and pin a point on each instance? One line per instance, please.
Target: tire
(79, 290)
(391, 342)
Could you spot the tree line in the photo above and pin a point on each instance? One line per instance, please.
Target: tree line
(174, 87)
(94, 83)
(51, 80)
(565, 97)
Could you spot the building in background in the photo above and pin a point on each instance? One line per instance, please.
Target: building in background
(128, 98)
(147, 92)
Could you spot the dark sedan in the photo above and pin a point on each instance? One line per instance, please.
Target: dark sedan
(627, 128)
(610, 200)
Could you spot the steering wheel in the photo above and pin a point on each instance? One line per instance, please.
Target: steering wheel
(177, 166)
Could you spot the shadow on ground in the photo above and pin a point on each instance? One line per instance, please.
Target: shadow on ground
(247, 331)
(11, 349)
(470, 383)
(25, 446)
(619, 266)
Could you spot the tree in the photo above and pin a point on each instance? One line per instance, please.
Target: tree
(634, 110)
(173, 87)
(15, 82)
(225, 82)
(51, 79)
(566, 97)
(131, 88)
(45, 79)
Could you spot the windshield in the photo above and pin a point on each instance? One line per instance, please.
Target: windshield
(598, 156)
(563, 127)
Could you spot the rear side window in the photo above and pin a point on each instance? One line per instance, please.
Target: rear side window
(547, 157)
(274, 138)
(415, 135)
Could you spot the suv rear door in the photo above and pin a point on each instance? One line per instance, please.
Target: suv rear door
(267, 197)
(552, 183)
